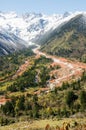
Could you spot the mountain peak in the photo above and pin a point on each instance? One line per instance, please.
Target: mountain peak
(66, 14)
(31, 25)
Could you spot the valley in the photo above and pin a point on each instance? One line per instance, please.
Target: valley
(69, 71)
(46, 94)
(43, 71)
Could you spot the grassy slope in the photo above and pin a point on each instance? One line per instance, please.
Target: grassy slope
(40, 124)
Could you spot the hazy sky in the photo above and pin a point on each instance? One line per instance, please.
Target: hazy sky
(42, 6)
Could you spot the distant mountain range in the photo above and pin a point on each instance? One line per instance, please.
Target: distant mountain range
(29, 25)
(58, 34)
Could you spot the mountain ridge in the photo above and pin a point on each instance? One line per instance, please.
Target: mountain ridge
(32, 25)
(69, 40)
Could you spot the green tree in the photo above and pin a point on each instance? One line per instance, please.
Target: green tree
(8, 108)
(35, 110)
(70, 98)
(83, 99)
(44, 75)
(35, 107)
(3, 121)
(19, 104)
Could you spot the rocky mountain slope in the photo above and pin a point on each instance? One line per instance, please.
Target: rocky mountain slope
(29, 25)
(10, 43)
(68, 39)
(14, 28)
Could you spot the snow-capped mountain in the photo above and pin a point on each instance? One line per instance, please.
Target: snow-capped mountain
(31, 26)
(68, 39)
(56, 26)
(10, 43)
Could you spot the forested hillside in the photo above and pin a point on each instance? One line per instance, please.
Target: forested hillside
(68, 41)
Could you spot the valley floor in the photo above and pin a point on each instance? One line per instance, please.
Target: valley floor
(70, 70)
